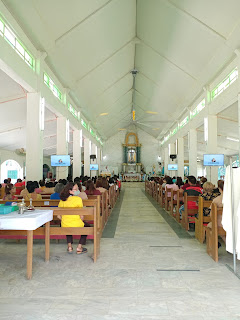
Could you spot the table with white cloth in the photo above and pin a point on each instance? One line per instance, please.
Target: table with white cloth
(24, 224)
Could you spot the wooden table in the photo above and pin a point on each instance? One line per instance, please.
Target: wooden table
(25, 224)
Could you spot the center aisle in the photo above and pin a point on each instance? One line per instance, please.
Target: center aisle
(161, 273)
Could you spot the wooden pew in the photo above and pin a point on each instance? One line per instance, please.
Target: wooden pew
(89, 213)
(173, 201)
(201, 221)
(161, 197)
(2, 192)
(155, 191)
(188, 215)
(179, 200)
(100, 208)
(147, 186)
(213, 232)
(167, 198)
(54, 203)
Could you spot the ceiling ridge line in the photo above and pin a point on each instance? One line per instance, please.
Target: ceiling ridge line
(124, 107)
(196, 20)
(78, 24)
(109, 106)
(109, 57)
(141, 42)
(112, 84)
(120, 121)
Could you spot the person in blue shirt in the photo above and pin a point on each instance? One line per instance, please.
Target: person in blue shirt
(57, 190)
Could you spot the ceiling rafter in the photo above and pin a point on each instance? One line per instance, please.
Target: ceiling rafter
(109, 87)
(142, 42)
(187, 14)
(67, 33)
(109, 57)
(123, 95)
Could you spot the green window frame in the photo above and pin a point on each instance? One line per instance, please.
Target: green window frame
(7, 33)
(198, 109)
(183, 122)
(51, 85)
(223, 85)
(73, 111)
(84, 124)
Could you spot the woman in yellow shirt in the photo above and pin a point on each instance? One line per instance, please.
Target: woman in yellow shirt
(70, 199)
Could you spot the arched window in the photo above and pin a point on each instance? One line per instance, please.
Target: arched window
(11, 169)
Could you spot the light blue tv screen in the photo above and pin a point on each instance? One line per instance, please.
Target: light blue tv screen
(60, 161)
(93, 167)
(213, 160)
(172, 167)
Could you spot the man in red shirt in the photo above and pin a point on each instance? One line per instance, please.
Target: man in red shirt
(192, 190)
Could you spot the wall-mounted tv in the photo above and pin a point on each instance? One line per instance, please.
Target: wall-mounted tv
(93, 167)
(60, 161)
(213, 160)
(172, 167)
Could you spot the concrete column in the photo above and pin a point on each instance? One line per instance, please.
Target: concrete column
(77, 150)
(87, 157)
(180, 157)
(211, 148)
(34, 141)
(166, 160)
(193, 152)
(62, 146)
(99, 158)
(171, 150)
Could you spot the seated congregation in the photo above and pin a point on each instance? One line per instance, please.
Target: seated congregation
(100, 193)
(194, 204)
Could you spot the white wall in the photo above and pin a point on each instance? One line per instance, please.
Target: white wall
(113, 150)
(21, 159)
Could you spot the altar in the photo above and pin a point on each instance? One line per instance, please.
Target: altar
(131, 166)
(130, 177)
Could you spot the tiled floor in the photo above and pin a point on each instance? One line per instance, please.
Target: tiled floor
(147, 270)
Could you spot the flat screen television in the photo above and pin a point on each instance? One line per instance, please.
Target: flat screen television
(172, 167)
(93, 167)
(60, 161)
(213, 160)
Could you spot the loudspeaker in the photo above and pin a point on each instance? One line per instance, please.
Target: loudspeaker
(173, 156)
(92, 156)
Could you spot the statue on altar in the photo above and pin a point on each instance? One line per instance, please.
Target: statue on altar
(132, 158)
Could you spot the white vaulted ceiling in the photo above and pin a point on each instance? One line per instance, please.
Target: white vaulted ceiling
(177, 47)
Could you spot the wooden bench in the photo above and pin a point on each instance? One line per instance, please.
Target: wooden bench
(147, 186)
(188, 215)
(173, 201)
(167, 198)
(161, 197)
(201, 221)
(213, 232)
(178, 205)
(155, 191)
(54, 203)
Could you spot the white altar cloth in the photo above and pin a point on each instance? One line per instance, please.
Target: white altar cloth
(30, 220)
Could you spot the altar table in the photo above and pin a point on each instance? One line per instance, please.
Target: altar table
(27, 223)
(132, 177)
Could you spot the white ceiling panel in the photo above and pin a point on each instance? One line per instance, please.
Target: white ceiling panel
(220, 16)
(180, 39)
